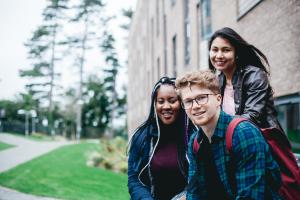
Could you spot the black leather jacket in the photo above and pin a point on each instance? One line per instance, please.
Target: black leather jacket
(253, 96)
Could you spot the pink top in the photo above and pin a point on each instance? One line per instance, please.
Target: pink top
(228, 100)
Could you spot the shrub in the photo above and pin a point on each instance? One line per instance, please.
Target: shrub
(111, 155)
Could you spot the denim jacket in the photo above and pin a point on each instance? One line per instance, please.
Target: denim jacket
(139, 175)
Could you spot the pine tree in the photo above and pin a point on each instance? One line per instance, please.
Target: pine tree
(111, 71)
(96, 107)
(87, 12)
(44, 54)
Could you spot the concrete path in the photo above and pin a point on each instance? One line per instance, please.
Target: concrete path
(23, 151)
(8, 194)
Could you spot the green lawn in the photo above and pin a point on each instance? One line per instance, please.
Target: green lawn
(63, 174)
(5, 146)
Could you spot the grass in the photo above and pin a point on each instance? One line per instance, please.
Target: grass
(5, 146)
(63, 174)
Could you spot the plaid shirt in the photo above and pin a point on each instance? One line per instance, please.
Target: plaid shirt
(253, 163)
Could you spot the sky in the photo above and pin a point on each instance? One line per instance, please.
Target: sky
(18, 19)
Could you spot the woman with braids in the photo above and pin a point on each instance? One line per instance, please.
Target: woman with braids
(157, 164)
(244, 83)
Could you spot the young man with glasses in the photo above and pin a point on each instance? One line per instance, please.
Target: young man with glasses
(248, 172)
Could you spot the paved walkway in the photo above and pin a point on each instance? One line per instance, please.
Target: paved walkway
(23, 151)
(8, 194)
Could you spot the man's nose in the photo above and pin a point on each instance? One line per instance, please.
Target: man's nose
(195, 104)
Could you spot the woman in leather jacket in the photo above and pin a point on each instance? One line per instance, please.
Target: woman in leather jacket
(243, 77)
(157, 163)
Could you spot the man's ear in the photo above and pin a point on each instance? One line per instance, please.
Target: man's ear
(219, 99)
(177, 91)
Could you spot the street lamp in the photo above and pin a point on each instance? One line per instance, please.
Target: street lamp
(78, 118)
(26, 113)
(2, 115)
(33, 116)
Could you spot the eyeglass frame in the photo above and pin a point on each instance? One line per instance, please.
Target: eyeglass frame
(195, 99)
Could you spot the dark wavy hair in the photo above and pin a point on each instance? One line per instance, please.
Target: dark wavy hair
(246, 53)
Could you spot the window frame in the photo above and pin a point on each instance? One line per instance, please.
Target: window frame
(206, 28)
(187, 33)
(174, 52)
(246, 10)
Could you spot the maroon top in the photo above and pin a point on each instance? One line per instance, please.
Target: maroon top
(167, 177)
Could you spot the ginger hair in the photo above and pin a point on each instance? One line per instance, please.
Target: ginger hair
(203, 78)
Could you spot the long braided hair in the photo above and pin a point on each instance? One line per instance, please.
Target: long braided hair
(152, 117)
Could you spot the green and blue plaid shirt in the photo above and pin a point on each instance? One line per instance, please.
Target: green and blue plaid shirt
(254, 167)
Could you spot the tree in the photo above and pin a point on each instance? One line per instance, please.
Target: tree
(96, 107)
(127, 13)
(69, 113)
(10, 109)
(44, 54)
(122, 100)
(10, 120)
(111, 71)
(87, 12)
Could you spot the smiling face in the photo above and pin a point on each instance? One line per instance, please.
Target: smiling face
(204, 114)
(167, 104)
(222, 55)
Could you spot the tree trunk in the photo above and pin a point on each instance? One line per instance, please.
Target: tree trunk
(50, 108)
(81, 65)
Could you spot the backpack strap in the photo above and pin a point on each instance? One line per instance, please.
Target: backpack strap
(228, 138)
(230, 130)
(196, 145)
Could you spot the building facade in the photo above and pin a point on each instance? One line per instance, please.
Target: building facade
(169, 37)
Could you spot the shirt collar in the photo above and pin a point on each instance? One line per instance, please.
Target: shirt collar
(222, 125)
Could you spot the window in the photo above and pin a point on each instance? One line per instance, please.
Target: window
(165, 45)
(206, 29)
(158, 68)
(187, 32)
(289, 117)
(244, 6)
(204, 54)
(198, 34)
(173, 2)
(149, 81)
(157, 17)
(174, 51)
(204, 21)
(152, 48)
